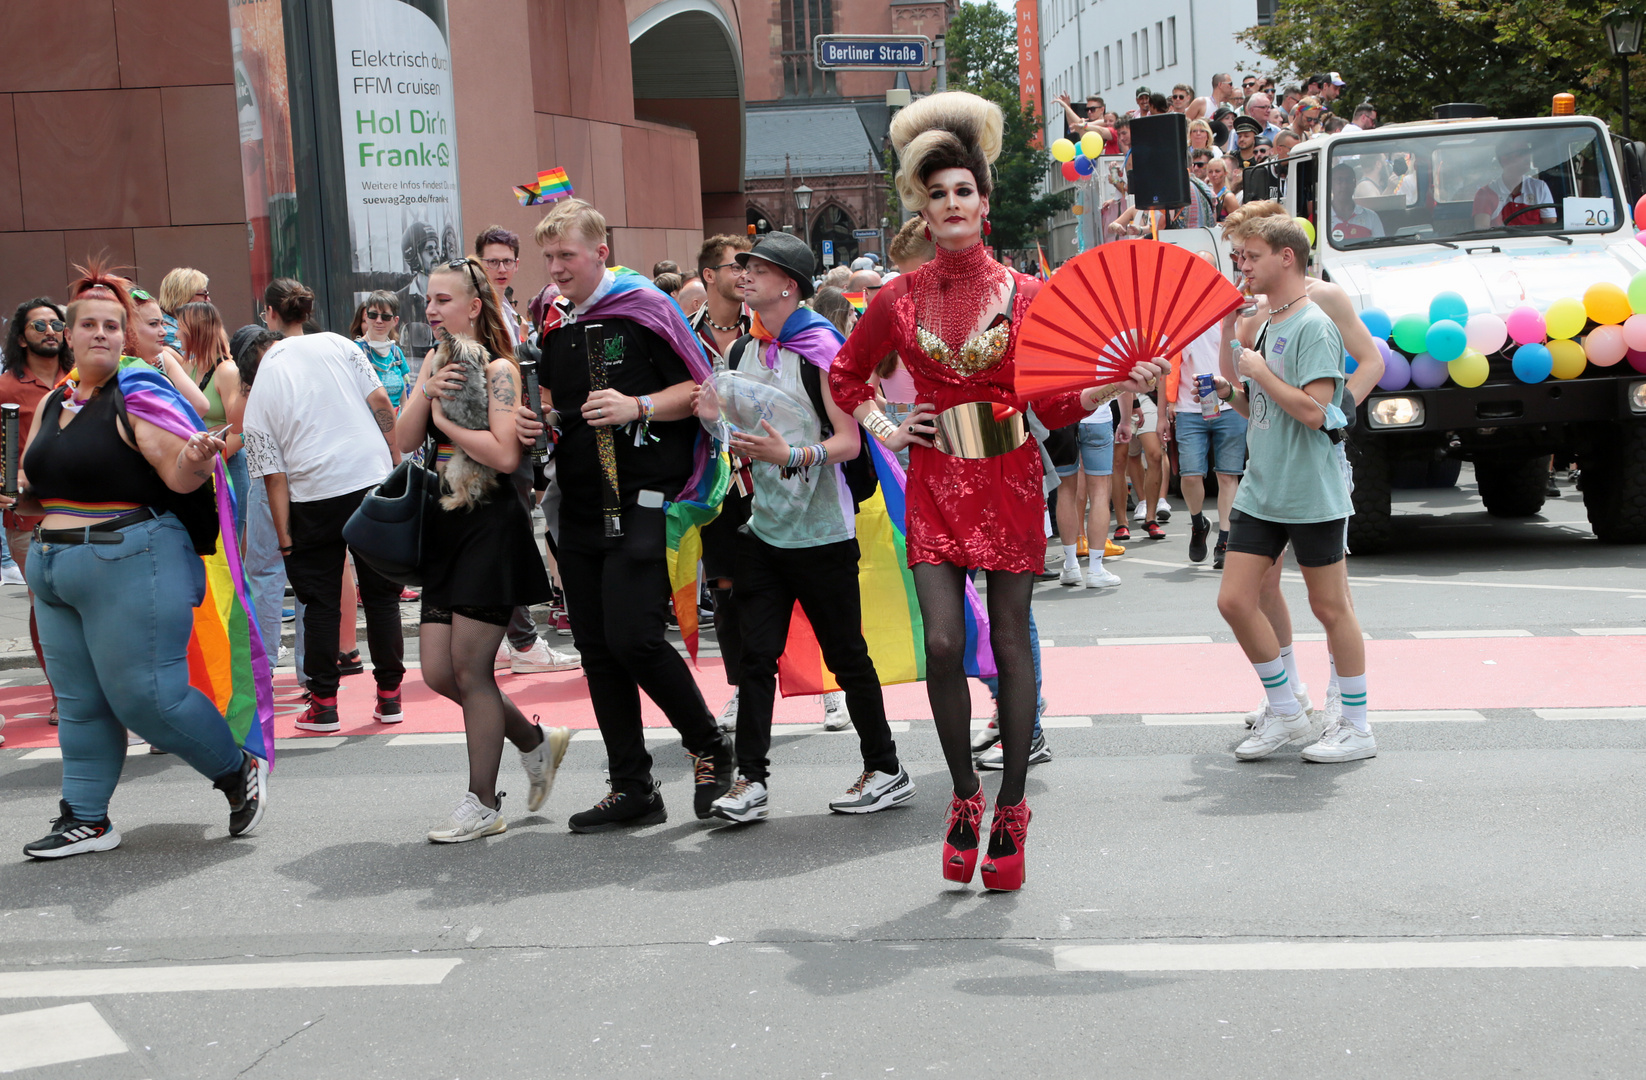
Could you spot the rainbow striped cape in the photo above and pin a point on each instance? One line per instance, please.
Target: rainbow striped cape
(684, 519)
(227, 661)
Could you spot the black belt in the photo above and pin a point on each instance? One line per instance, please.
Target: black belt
(104, 532)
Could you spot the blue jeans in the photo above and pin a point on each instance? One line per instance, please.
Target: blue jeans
(265, 569)
(1220, 443)
(993, 683)
(114, 624)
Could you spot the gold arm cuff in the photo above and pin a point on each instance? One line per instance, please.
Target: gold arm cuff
(879, 425)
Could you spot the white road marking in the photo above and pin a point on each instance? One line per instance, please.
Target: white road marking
(1447, 716)
(1065, 721)
(54, 753)
(1447, 635)
(428, 738)
(1609, 631)
(131, 979)
(319, 742)
(663, 734)
(1351, 955)
(52, 1036)
(1169, 639)
(1372, 581)
(1322, 637)
(1591, 714)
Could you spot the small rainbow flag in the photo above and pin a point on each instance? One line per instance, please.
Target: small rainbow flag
(551, 184)
(683, 531)
(1045, 267)
(859, 301)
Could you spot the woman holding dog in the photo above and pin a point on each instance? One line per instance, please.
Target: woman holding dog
(485, 560)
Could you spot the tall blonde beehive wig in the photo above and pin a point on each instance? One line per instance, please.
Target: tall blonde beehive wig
(951, 130)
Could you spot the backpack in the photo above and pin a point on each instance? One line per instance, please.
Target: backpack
(861, 479)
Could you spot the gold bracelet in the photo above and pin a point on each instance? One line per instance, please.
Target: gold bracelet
(879, 425)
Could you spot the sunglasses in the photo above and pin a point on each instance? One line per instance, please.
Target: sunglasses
(381, 316)
(203, 294)
(1180, 97)
(468, 267)
(40, 326)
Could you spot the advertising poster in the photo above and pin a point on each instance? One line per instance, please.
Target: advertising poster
(257, 31)
(399, 153)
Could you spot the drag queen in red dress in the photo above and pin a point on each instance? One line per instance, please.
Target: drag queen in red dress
(974, 487)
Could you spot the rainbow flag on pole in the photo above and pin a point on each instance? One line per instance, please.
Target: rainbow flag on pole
(683, 529)
(891, 614)
(551, 184)
(1045, 267)
(858, 300)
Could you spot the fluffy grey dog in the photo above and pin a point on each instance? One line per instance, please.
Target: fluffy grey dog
(467, 481)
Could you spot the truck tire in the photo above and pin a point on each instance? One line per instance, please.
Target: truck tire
(1614, 486)
(1371, 527)
(1513, 488)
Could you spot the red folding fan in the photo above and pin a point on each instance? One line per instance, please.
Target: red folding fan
(1109, 308)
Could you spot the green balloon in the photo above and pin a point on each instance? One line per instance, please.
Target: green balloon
(1637, 293)
(1411, 333)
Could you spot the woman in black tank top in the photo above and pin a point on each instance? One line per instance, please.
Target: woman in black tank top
(115, 580)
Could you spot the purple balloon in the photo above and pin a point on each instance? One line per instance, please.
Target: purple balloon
(1397, 372)
(1427, 372)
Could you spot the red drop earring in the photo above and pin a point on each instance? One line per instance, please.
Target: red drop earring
(927, 228)
(987, 228)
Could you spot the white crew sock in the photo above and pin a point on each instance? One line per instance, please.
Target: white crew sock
(1278, 687)
(1071, 557)
(1354, 700)
(1334, 683)
(1287, 658)
(1094, 561)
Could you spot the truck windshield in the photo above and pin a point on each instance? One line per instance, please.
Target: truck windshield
(1437, 185)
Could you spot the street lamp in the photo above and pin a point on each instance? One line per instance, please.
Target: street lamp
(803, 203)
(1623, 39)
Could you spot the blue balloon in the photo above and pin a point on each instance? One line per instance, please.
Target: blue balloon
(1377, 321)
(1083, 165)
(1349, 364)
(1533, 363)
(1449, 305)
(1428, 372)
(1446, 340)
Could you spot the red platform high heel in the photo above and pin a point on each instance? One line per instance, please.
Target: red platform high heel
(1003, 869)
(961, 836)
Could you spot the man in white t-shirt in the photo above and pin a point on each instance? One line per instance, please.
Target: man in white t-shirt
(1201, 443)
(1501, 202)
(317, 430)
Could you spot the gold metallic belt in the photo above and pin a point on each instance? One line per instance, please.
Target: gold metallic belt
(974, 430)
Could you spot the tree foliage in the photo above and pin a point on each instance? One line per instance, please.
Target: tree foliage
(1408, 56)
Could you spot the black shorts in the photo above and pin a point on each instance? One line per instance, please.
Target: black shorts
(1316, 543)
(492, 616)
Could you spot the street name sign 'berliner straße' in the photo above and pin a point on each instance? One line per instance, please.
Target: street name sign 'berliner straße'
(872, 52)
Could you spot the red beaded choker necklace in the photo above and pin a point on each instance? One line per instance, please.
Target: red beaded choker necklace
(952, 291)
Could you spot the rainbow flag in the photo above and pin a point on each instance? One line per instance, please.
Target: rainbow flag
(684, 519)
(227, 661)
(1045, 267)
(859, 301)
(891, 613)
(551, 184)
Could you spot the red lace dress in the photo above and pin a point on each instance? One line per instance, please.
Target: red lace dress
(984, 513)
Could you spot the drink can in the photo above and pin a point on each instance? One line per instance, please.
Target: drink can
(1206, 388)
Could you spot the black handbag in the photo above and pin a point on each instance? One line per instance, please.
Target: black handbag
(388, 529)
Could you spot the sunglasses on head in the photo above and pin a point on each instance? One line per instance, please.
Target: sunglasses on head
(142, 296)
(380, 316)
(468, 267)
(40, 326)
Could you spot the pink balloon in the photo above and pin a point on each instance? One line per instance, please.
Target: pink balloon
(1605, 346)
(1640, 212)
(1634, 332)
(1637, 360)
(1486, 333)
(1525, 325)
(1641, 236)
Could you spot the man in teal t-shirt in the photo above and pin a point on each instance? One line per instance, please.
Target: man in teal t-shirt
(1293, 492)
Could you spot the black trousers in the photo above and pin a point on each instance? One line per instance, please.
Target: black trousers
(522, 631)
(315, 569)
(824, 581)
(617, 596)
(720, 564)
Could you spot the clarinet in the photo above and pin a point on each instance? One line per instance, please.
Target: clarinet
(605, 441)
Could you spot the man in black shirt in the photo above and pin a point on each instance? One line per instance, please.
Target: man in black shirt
(612, 550)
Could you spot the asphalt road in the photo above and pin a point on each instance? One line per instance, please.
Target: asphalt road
(1469, 903)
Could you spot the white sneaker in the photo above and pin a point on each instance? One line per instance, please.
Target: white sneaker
(1142, 512)
(995, 756)
(1271, 733)
(727, 720)
(875, 791)
(542, 763)
(133, 739)
(988, 736)
(469, 821)
(2, 730)
(1070, 576)
(1341, 742)
(11, 575)
(541, 658)
(1300, 691)
(746, 801)
(1329, 712)
(835, 716)
(1101, 579)
(502, 658)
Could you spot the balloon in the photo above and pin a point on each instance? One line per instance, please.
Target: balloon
(1083, 166)
(1532, 363)
(1377, 323)
(1445, 340)
(1091, 144)
(1068, 171)
(1606, 304)
(1063, 150)
(1486, 333)
(1077, 209)
(1396, 373)
(1640, 212)
(1427, 372)
(1470, 369)
(1637, 291)
(1641, 236)
(1449, 305)
(1565, 318)
(1410, 332)
(1605, 346)
(1349, 364)
(1637, 360)
(1569, 360)
(1634, 332)
(1525, 325)
(1308, 228)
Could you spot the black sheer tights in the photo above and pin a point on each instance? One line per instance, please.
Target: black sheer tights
(458, 664)
(941, 589)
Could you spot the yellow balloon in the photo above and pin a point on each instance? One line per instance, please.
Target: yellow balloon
(1565, 318)
(1308, 228)
(1606, 304)
(1569, 360)
(1091, 144)
(1470, 369)
(1063, 150)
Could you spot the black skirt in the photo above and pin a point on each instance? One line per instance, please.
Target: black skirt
(486, 556)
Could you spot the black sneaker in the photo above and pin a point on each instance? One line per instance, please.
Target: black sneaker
(1218, 553)
(321, 715)
(711, 777)
(71, 836)
(349, 663)
(621, 809)
(1197, 540)
(247, 789)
